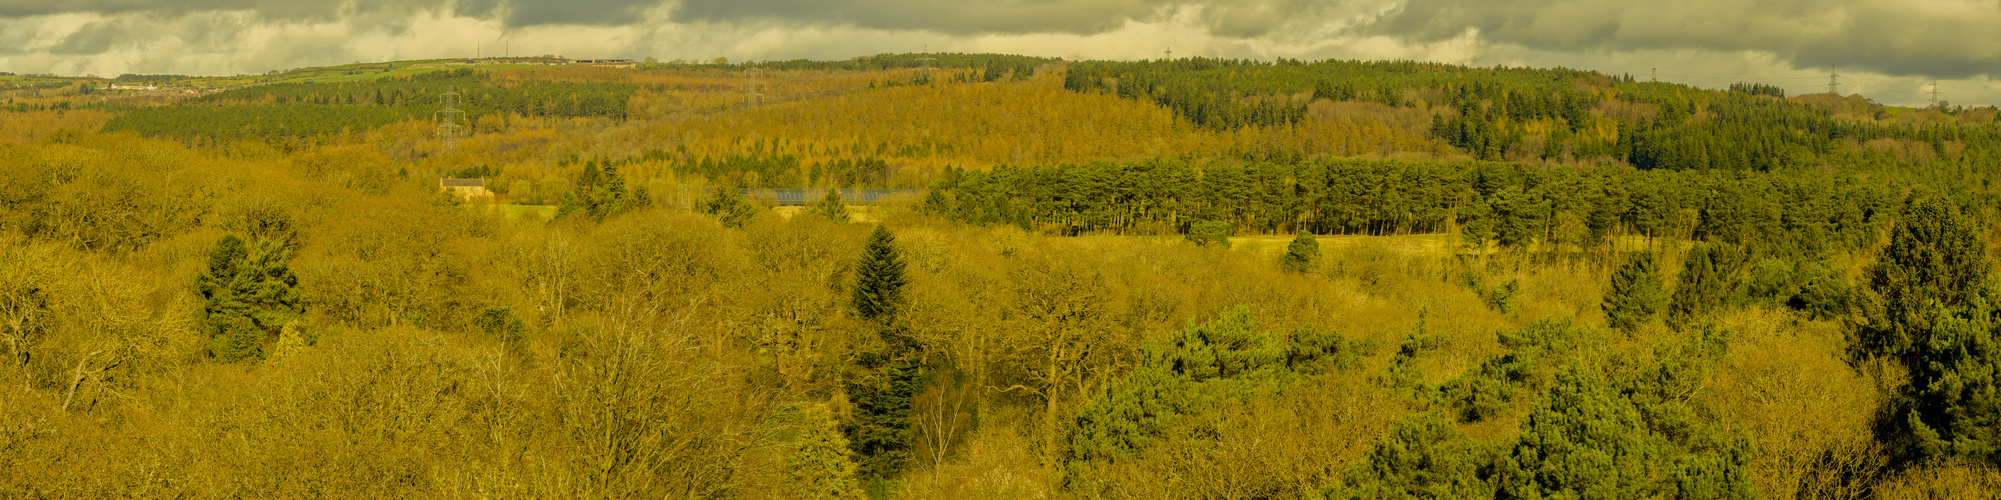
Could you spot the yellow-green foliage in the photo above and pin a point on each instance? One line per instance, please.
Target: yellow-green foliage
(662, 353)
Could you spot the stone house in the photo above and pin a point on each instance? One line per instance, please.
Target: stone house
(466, 190)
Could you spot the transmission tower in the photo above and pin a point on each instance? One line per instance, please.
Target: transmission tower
(448, 121)
(1834, 84)
(753, 90)
(927, 63)
(1170, 53)
(1934, 93)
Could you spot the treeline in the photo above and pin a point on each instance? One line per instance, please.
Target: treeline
(1520, 114)
(1003, 63)
(1511, 205)
(1228, 93)
(308, 109)
(261, 122)
(129, 77)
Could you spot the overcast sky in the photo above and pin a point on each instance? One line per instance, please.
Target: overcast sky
(1889, 50)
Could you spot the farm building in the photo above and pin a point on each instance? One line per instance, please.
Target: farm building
(468, 190)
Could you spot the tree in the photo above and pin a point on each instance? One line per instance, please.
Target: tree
(250, 297)
(1187, 373)
(1937, 314)
(889, 375)
(1302, 255)
(1635, 295)
(727, 206)
(1423, 456)
(879, 278)
(882, 390)
(1642, 438)
(1706, 279)
(1206, 232)
(500, 323)
(831, 207)
(226, 314)
(1935, 260)
(821, 466)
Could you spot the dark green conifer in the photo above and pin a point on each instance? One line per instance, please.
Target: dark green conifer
(1636, 295)
(1934, 260)
(821, 466)
(1707, 277)
(727, 206)
(831, 207)
(879, 278)
(1303, 255)
(250, 297)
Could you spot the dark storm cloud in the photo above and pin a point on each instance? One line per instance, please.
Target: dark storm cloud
(314, 10)
(1230, 18)
(1942, 38)
(953, 17)
(93, 38)
(591, 12)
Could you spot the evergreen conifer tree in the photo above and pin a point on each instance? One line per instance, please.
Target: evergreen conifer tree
(1936, 312)
(879, 278)
(831, 207)
(821, 465)
(890, 375)
(1205, 232)
(727, 206)
(1635, 295)
(883, 391)
(250, 297)
(1934, 260)
(226, 311)
(1302, 255)
(1706, 280)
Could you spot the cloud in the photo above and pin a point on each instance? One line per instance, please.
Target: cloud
(1884, 46)
(582, 12)
(284, 10)
(1939, 38)
(962, 17)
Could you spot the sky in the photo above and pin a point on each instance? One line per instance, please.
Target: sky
(1889, 50)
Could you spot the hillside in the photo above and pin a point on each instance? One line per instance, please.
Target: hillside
(1193, 278)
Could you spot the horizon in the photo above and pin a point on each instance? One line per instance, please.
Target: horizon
(1891, 52)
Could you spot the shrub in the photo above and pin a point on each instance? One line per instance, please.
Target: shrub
(1207, 232)
(1302, 255)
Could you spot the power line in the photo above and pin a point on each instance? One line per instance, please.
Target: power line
(753, 90)
(927, 62)
(448, 121)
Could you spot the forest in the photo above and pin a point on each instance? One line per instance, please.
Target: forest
(1189, 278)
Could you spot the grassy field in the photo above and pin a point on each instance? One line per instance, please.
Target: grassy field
(856, 213)
(538, 213)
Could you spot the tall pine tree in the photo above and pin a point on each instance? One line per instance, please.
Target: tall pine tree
(879, 278)
(888, 375)
(821, 465)
(1707, 276)
(1936, 310)
(1934, 260)
(1635, 295)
